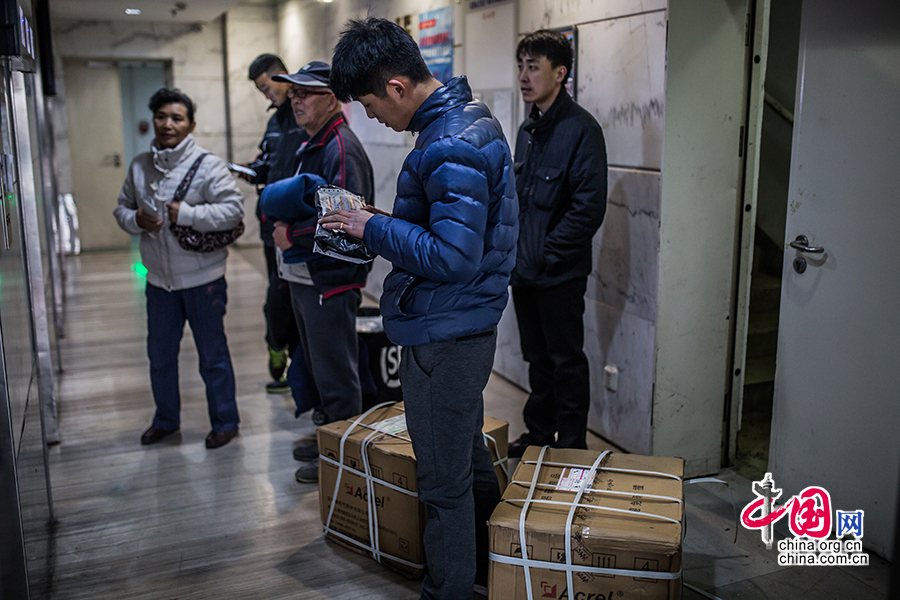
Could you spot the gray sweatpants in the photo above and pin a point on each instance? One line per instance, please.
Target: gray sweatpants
(442, 390)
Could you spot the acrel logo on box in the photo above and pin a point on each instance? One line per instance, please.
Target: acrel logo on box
(549, 591)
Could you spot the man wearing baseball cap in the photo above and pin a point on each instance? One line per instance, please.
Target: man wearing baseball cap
(325, 292)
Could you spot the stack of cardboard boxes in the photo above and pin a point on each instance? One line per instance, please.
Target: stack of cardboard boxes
(370, 504)
(594, 529)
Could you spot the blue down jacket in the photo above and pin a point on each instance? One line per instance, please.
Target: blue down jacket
(452, 237)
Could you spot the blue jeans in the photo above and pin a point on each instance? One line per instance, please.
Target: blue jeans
(442, 391)
(203, 307)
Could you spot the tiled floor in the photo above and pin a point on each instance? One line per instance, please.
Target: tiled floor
(179, 521)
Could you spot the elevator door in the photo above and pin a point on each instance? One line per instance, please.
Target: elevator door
(94, 110)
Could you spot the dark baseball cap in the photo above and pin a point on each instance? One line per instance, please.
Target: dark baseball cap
(314, 74)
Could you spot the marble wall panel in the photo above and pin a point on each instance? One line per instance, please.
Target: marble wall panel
(251, 31)
(626, 249)
(621, 81)
(625, 341)
(544, 14)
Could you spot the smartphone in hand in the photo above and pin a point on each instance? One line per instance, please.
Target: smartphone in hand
(149, 208)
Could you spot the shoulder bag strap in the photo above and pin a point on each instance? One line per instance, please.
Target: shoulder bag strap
(186, 182)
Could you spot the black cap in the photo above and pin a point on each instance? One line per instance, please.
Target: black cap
(314, 74)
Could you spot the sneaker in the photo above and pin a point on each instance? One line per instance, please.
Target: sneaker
(278, 387)
(308, 473)
(277, 363)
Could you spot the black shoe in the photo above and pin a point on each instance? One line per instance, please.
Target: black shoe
(153, 435)
(216, 439)
(278, 387)
(517, 448)
(307, 452)
(308, 473)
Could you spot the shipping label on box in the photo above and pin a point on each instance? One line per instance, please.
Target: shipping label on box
(624, 532)
(369, 501)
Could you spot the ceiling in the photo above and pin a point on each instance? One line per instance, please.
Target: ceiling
(185, 11)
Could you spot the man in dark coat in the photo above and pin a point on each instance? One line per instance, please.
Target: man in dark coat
(277, 160)
(561, 183)
(325, 292)
(451, 241)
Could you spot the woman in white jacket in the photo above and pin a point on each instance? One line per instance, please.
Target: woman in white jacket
(183, 285)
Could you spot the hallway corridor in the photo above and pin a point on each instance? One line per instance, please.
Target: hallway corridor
(178, 521)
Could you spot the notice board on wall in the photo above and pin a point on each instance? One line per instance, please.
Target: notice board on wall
(436, 42)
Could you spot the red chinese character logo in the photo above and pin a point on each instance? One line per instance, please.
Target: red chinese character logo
(811, 513)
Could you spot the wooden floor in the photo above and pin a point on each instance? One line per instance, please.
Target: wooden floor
(176, 520)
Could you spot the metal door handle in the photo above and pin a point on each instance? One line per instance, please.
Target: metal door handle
(802, 244)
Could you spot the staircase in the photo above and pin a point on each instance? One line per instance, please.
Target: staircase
(759, 370)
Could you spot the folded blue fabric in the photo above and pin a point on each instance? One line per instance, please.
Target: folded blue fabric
(291, 200)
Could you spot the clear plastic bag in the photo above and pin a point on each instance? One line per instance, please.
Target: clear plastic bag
(334, 242)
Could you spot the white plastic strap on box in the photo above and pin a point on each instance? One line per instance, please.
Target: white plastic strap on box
(554, 566)
(377, 433)
(528, 500)
(370, 489)
(586, 486)
(590, 478)
(637, 471)
(593, 490)
(502, 461)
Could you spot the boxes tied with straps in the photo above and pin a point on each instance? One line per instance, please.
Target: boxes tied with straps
(367, 485)
(587, 524)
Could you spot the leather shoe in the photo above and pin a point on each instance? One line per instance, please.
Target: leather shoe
(153, 435)
(517, 448)
(220, 438)
(307, 452)
(308, 473)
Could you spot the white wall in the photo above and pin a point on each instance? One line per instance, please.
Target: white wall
(698, 229)
(250, 31)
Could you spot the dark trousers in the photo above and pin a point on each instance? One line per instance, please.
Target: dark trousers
(203, 307)
(442, 391)
(551, 328)
(281, 328)
(327, 328)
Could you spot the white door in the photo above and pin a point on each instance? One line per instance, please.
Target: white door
(836, 421)
(96, 146)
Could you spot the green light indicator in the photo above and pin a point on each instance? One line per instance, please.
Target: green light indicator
(140, 269)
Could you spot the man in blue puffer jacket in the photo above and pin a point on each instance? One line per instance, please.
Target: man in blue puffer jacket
(451, 240)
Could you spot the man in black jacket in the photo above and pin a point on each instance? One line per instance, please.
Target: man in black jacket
(277, 160)
(325, 292)
(560, 168)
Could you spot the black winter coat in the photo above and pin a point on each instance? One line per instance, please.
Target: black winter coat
(278, 151)
(560, 169)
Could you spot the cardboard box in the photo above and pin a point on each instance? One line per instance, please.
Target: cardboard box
(628, 540)
(399, 517)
